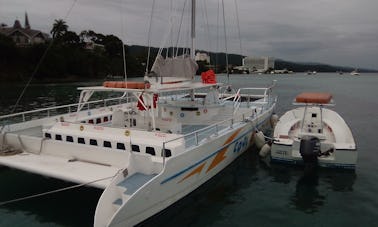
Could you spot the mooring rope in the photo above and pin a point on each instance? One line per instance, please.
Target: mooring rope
(54, 191)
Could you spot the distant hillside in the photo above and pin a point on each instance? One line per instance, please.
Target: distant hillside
(319, 67)
(236, 60)
(215, 58)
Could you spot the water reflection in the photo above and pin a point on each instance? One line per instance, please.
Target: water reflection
(49, 210)
(206, 204)
(307, 197)
(312, 189)
(39, 96)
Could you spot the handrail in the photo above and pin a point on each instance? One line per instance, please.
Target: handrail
(267, 94)
(236, 101)
(56, 107)
(232, 120)
(197, 132)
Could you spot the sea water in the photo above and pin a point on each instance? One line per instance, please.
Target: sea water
(250, 192)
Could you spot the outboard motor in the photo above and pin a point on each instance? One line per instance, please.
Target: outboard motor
(310, 150)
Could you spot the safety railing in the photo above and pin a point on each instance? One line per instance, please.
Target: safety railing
(56, 110)
(249, 95)
(194, 138)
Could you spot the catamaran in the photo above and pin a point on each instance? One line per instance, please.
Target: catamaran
(156, 142)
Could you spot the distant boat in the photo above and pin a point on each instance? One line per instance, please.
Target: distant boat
(355, 73)
(311, 72)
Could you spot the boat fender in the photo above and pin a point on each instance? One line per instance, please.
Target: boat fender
(264, 151)
(273, 120)
(259, 139)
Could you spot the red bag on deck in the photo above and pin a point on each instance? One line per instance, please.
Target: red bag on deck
(208, 77)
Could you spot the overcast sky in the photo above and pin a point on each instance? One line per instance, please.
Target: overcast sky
(338, 32)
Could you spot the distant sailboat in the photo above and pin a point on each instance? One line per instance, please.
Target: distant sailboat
(355, 73)
(311, 72)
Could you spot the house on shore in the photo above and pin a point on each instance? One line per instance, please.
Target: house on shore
(23, 36)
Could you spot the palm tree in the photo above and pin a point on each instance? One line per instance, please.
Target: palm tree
(59, 28)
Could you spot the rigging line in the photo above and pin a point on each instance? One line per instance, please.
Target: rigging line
(171, 31)
(225, 42)
(238, 23)
(187, 48)
(217, 43)
(172, 8)
(40, 62)
(164, 41)
(55, 191)
(166, 37)
(189, 38)
(204, 11)
(123, 37)
(149, 38)
(179, 30)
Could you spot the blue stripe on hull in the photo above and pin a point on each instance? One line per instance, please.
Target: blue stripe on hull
(217, 151)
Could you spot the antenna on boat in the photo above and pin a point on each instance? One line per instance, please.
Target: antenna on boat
(225, 42)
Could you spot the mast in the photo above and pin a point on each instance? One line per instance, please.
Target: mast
(193, 49)
(193, 29)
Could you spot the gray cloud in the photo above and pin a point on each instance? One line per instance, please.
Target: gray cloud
(328, 31)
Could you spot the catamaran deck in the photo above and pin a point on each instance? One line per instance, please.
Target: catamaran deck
(33, 131)
(62, 168)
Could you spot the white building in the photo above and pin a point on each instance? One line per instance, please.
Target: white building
(258, 64)
(90, 45)
(202, 57)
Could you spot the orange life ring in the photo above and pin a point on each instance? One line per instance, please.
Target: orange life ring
(126, 84)
(205, 110)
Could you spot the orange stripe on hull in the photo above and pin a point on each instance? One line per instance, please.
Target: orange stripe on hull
(221, 155)
(194, 172)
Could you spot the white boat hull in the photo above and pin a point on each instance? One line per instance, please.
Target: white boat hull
(345, 159)
(182, 174)
(335, 146)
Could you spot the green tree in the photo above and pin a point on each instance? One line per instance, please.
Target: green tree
(8, 51)
(113, 46)
(70, 39)
(60, 27)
